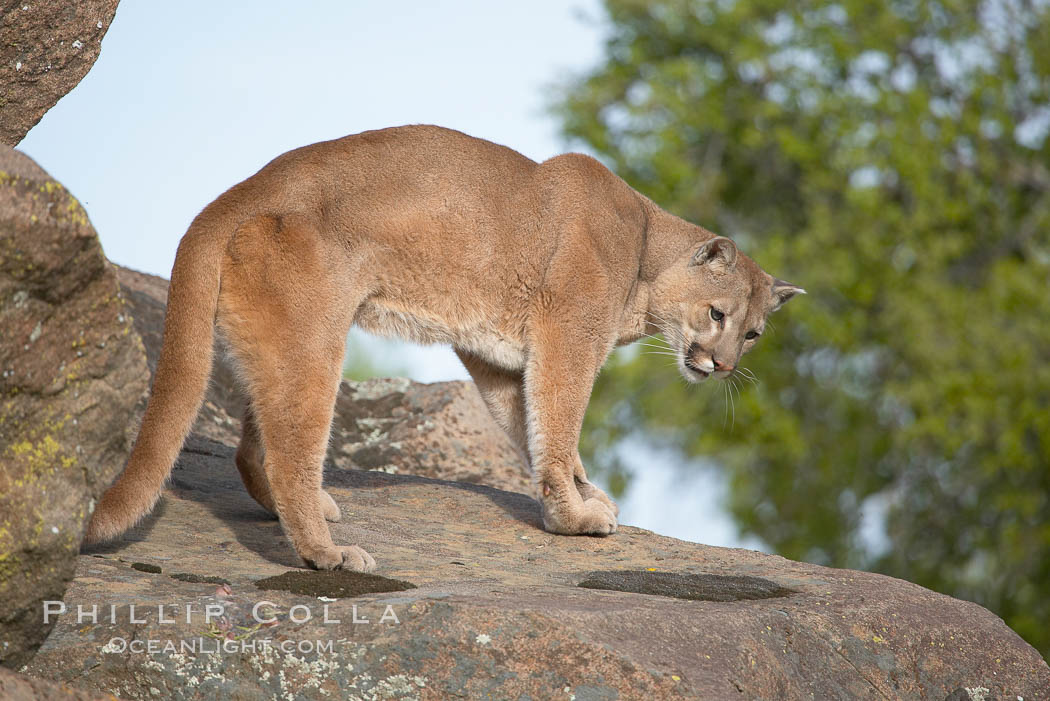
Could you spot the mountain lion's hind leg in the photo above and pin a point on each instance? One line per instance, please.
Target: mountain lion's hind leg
(295, 413)
(249, 461)
(284, 308)
(250, 464)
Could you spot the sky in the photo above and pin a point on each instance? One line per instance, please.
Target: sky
(189, 98)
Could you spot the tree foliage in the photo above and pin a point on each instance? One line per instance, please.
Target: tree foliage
(892, 158)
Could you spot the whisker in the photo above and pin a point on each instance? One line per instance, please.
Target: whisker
(725, 413)
(658, 317)
(748, 378)
(746, 374)
(666, 326)
(667, 332)
(657, 320)
(733, 404)
(653, 335)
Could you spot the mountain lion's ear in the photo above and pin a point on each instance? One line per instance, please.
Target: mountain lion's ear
(719, 253)
(783, 291)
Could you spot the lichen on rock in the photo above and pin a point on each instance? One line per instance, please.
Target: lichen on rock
(72, 372)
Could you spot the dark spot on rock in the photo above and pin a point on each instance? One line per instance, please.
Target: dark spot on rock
(339, 584)
(198, 578)
(145, 567)
(694, 587)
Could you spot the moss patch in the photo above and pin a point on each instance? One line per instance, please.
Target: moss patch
(694, 587)
(198, 578)
(339, 584)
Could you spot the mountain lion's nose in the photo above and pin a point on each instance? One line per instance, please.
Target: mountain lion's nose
(720, 366)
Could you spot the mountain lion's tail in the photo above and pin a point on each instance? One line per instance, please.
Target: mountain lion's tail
(183, 372)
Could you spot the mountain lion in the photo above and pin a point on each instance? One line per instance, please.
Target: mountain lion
(533, 272)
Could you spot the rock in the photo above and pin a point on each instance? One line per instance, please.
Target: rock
(16, 687)
(497, 610)
(72, 371)
(440, 430)
(46, 47)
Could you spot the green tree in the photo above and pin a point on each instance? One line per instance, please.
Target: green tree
(892, 158)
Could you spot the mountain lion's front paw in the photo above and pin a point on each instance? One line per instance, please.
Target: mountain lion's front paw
(590, 491)
(592, 517)
(348, 557)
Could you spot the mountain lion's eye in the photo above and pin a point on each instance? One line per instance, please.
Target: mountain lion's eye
(751, 334)
(717, 315)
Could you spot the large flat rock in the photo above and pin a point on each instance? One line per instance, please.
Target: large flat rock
(496, 611)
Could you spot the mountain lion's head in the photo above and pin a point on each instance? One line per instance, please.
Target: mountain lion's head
(712, 307)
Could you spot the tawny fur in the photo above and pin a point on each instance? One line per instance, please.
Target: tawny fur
(533, 272)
